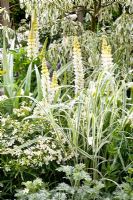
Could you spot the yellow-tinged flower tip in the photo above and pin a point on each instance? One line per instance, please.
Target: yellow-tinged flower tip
(35, 25)
(33, 37)
(34, 19)
(54, 82)
(76, 45)
(106, 55)
(104, 41)
(44, 68)
(106, 49)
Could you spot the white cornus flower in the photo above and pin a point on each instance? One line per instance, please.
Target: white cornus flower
(78, 66)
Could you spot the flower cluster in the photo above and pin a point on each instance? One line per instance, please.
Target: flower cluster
(54, 82)
(23, 111)
(31, 142)
(107, 65)
(33, 37)
(78, 66)
(106, 56)
(54, 86)
(45, 80)
(49, 87)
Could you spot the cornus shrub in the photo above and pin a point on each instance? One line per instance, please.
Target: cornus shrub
(89, 19)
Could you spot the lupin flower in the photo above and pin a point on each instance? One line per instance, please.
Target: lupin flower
(54, 82)
(45, 80)
(107, 64)
(54, 86)
(106, 56)
(78, 66)
(49, 90)
(33, 37)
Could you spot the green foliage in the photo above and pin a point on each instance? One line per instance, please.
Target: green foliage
(21, 64)
(125, 192)
(27, 146)
(7, 63)
(16, 13)
(81, 187)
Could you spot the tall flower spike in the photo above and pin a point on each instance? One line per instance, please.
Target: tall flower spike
(106, 56)
(45, 80)
(54, 82)
(54, 86)
(78, 66)
(33, 38)
(107, 64)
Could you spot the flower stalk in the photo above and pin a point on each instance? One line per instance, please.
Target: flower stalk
(78, 66)
(54, 86)
(45, 80)
(106, 55)
(33, 37)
